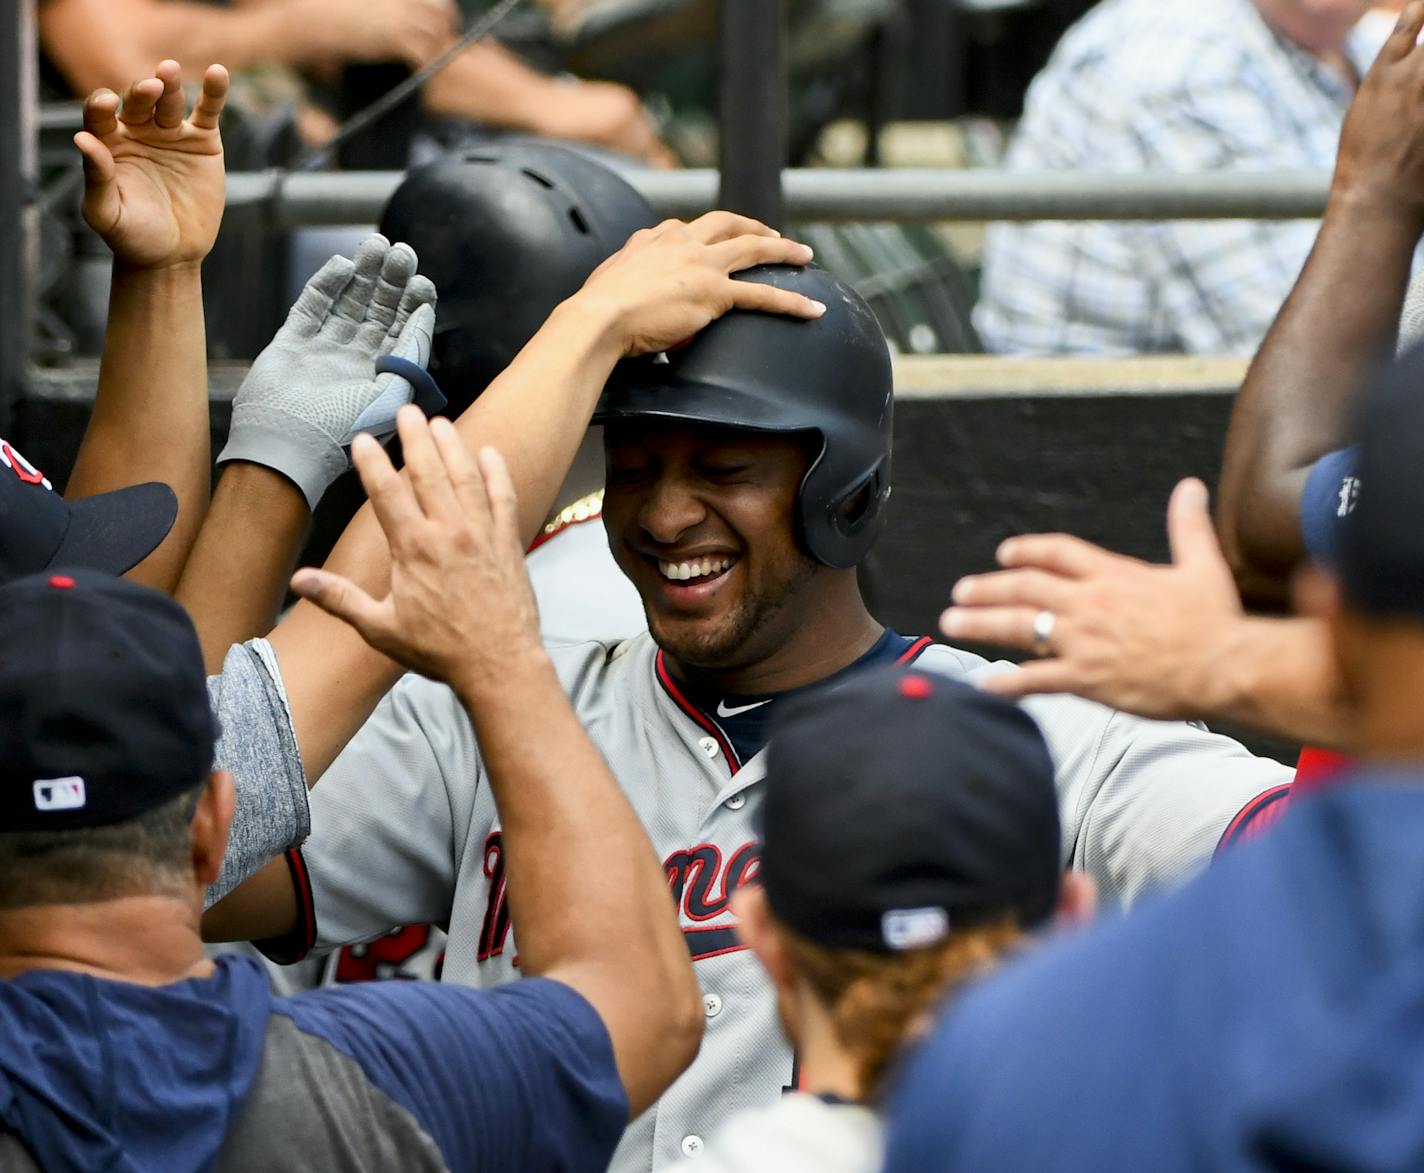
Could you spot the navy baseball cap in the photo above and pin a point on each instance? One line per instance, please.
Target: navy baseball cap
(104, 702)
(902, 806)
(110, 531)
(1381, 554)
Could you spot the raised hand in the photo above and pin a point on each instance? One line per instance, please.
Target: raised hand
(1123, 632)
(315, 385)
(1381, 157)
(154, 180)
(460, 607)
(668, 282)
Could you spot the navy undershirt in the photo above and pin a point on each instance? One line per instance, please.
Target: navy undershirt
(744, 719)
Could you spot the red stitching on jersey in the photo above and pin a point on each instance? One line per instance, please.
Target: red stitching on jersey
(1241, 825)
(545, 536)
(665, 678)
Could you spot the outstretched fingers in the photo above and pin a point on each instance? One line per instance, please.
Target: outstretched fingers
(753, 295)
(1009, 627)
(503, 501)
(350, 309)
(168, 112)
(1405, 37)
(101, 109)
(1189, 529)
(464, 476)
(1061, 554)
(742, 252)
(1014, 588)
(209, 107)
(714, 227)
(345, 600)
(391, 498)
(319, 294)
(140, 100)
(418, 291)
(424, 466)
(397, 269)
(1036, 677)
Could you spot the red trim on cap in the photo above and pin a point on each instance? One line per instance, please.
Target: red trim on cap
(1256, 816)
(912, 653)
(61, 582)
(671, 688)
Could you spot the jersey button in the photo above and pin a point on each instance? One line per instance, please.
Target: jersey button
(712, 1004)
(691, 1145)
(737, 801)
(709, 746)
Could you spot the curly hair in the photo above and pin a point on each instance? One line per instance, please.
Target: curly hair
(877, 1000)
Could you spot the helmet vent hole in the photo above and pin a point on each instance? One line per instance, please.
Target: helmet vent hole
(859, 502)
(537, 178)
(577, 217)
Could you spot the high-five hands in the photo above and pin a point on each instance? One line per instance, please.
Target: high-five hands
(460, 607)
(154, 185)
(668, 282)
(1123, 632)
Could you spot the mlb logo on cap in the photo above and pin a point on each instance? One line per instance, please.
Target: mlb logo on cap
(59, 794)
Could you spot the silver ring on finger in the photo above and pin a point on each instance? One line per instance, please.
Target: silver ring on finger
(1043, 624)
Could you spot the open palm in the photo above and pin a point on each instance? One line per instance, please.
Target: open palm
(154, 180)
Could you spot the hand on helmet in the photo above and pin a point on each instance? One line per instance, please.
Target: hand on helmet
(669, 282)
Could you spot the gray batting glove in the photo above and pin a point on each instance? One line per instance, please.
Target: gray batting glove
(315, 386)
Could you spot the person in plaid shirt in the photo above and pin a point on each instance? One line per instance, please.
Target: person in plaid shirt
(1139, 85)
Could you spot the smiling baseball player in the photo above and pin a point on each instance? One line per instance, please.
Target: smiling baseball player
(748, 474)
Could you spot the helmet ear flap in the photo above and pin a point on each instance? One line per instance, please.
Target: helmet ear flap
(841, 531)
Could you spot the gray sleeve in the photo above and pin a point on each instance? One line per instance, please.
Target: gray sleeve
(259, 746)
(389, 817)
(1145, 803)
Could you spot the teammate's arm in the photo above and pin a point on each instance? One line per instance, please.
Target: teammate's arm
(311, 387)
(662, 287)
(154, 190)
(1165, 642)
(1339, 320)
(460, 608)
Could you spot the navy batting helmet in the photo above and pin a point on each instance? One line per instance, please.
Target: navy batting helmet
(770, 373)
(506, 232)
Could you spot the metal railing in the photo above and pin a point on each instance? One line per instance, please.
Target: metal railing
(308, 200)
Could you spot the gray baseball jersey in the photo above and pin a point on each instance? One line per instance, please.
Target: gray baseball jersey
(405, 831)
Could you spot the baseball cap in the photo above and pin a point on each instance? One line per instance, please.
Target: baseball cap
(104, 698)
(904, 805)
(110, 531)
(1381, 548)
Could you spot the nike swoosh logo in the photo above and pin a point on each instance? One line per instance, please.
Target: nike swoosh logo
(723, 711)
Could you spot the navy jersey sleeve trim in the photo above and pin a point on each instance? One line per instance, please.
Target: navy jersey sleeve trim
(298, 943)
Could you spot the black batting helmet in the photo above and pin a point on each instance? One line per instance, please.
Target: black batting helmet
(506, 232)
(771, 373)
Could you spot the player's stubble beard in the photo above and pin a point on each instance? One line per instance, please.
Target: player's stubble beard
(750, 630)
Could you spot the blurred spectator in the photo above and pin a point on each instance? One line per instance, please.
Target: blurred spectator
(1141, 85)
(1267, 1016)
(887, 879)
(92, 43)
